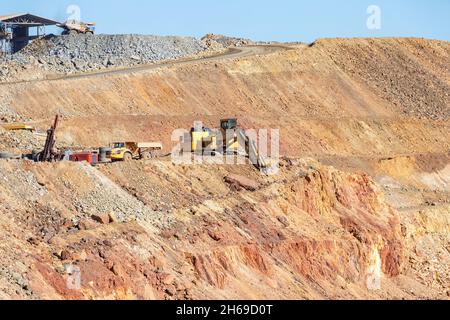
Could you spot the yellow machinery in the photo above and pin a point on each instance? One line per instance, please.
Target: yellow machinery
(126, 151)
(228, 139)
(17, 126)
(203, 139)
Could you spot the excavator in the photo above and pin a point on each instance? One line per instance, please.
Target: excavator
(228, 139)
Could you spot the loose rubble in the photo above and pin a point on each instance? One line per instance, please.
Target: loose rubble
(20, 140)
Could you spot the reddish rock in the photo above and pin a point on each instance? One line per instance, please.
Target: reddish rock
(107, 243)
(246, 183)
(214, 235)
(167, 278)
(64, 255)
(117, 269)
(67, 224)
(283, 220)
(102, 218)
(87, 225)
(167, 234)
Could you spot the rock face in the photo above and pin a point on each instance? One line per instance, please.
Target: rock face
(336, 220)
(428, 93)
(369, 220)
(239, 182)
(226, 41)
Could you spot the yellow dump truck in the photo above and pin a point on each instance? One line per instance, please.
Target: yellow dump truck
(127, 151)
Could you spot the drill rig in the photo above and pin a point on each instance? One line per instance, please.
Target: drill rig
(49, 153)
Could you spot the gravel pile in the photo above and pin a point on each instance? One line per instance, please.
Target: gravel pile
(106, 196)
(78, 53)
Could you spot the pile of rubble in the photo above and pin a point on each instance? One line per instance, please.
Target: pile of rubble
(106, 197)
(406, 72)
(80, 53)
(226, 41)
(20, 140)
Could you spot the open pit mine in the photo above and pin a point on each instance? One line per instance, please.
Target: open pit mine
(92, 205)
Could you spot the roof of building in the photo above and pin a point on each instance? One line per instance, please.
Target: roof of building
(27, 19)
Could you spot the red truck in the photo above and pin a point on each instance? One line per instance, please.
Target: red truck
(89, 157)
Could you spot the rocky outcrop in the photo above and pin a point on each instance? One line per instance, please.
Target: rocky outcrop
(333, 222)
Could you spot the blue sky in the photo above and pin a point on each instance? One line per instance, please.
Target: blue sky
(281, 20)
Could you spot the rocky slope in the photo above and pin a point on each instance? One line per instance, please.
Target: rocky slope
(360, 208)
(311, 232)
(296, 90)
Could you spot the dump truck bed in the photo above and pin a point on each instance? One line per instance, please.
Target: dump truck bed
(150, 145)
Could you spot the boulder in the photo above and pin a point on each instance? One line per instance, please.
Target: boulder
(102, 218)
(243, 182)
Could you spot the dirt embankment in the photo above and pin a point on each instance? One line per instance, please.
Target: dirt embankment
(297, 91)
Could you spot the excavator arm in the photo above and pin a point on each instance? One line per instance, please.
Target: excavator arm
(252, 150)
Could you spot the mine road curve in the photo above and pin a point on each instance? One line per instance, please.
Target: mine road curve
(231, 53)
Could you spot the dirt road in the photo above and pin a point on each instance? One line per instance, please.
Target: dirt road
(231, 53)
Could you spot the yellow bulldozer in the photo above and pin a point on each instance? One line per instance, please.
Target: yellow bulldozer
(127, 151)
(228, 139)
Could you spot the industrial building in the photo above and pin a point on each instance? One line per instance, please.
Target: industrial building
(16, 30)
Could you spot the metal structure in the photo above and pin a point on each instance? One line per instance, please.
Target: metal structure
(49, 154)
(15, 30)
